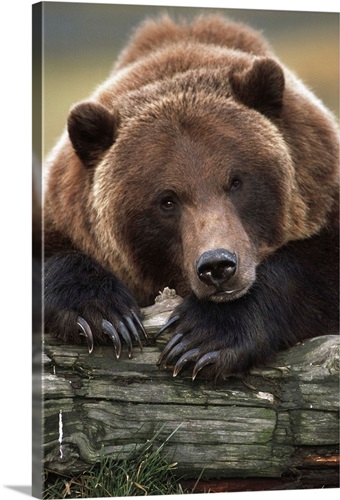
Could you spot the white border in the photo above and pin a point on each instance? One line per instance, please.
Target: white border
(15, 316)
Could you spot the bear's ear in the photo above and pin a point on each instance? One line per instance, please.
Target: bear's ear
(91, 128)
(260, 87)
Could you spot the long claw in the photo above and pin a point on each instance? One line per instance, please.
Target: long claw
(86, 331)
(139, 323)
(186, 358)
(133, 330)
(176, 338)
(203, 361)
(167, 325)
(126, 336)
(109, 329)
(176, 351)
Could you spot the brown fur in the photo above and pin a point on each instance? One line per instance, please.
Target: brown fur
(188, 110)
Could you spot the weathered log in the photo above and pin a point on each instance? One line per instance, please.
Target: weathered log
(279, 419)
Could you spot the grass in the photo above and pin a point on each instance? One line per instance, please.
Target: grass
(143, 472)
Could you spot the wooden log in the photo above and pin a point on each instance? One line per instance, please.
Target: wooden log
(279, 419)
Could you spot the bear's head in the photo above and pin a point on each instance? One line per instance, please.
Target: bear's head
(192, 186)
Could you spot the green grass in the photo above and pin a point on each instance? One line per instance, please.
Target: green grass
(143, 472)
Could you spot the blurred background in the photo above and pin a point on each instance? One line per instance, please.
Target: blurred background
(81, 43)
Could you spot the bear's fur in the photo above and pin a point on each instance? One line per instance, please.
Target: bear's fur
(202, 164)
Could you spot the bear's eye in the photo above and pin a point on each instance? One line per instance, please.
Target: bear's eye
(235, 183)
(168, 203)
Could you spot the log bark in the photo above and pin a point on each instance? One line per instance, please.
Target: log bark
(279, 421)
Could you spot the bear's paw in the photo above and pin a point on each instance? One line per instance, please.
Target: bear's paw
(208, 336)
(82, 299)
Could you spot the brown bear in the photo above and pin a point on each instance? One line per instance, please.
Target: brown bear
(204, 165)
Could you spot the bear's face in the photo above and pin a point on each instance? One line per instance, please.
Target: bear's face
(198, 196)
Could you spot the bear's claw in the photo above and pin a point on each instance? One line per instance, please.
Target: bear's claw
(126, 336)
(184, 359)
(167, 325)
(139, 323)
(124, 329)
(133, 330)
(109, 329)
(168, 347)
(86, 331)
(177, 350)
(191, 355)
(207, 359)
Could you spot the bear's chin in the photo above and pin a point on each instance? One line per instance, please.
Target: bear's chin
(226, 295)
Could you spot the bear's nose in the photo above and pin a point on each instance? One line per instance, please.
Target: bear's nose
(216, 267)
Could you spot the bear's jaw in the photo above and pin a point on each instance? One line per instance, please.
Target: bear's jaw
(222, 295)
(228, 295)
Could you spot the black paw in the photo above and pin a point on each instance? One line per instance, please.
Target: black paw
(84, 300)
(210, 336)
(126, 327)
